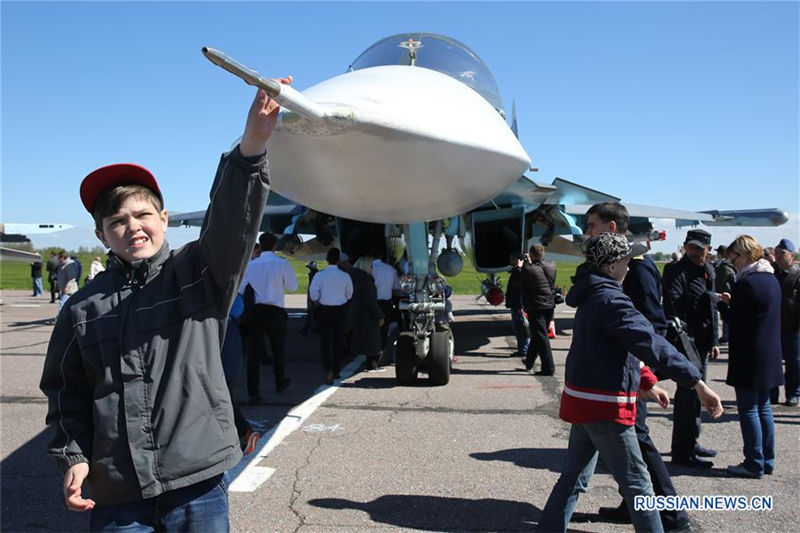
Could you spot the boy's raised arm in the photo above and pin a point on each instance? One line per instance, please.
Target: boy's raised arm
(238, 197)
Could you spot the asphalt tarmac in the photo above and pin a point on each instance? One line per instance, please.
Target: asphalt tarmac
(480, 454)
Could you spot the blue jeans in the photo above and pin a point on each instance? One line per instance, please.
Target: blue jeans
(199, 507)
(37, 286)
(619, 448)
(758, 429)
(62, 300)
(520, 325)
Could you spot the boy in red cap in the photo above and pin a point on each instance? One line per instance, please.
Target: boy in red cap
(133, 373)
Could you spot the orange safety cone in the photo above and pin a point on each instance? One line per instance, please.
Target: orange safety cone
(551, 330)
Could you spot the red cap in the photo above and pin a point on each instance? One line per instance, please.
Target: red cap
(111, 176)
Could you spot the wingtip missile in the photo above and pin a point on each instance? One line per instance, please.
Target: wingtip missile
(285, 95)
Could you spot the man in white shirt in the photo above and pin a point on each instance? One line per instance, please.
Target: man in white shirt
(332, 288)
(269, 276)
(386, 281)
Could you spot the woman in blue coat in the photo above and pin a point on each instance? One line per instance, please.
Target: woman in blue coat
(754, 365)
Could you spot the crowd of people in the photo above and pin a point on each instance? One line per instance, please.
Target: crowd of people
(141, 362)
(630, 320)
(63, 275)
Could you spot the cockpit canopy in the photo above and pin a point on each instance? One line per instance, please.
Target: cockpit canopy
(435, 52)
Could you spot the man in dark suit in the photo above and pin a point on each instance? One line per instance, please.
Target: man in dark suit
(689, 295)
(52, 275)
(538, 300)
(788, 274)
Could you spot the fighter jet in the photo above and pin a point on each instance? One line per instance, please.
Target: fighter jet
(18, 232)
(408, 148)
(14, 232)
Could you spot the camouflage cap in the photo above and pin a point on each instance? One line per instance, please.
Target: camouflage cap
(609, 248)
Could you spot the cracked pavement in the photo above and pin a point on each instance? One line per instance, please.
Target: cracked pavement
(481, 453)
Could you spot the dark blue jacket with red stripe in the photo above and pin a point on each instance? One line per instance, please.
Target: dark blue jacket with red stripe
(609, 339)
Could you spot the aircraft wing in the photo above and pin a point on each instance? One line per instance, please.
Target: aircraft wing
(278, 214)
(523, 191)
(555, 215)
(10, 254)
(648, 211)
(527, 211)
(287, 220)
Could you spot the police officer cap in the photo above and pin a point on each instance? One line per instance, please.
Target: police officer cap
(787, 245)
(698, 237)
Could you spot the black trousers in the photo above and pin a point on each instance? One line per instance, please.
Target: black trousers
(386, 309)
(686, 417)
(540, 343)
(659, 476)
(267, 322)
(332, 327)
(53, 288)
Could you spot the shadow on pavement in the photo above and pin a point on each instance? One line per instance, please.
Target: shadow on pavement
(30, 491)
(384, 380)
(19, 326)
(483, 311)
(473, 335)
(436, 513)
(677, 470)
(540, 458)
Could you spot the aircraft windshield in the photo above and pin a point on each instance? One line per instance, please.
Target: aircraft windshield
(435, 52)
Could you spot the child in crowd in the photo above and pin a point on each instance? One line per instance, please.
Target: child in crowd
(602, 378)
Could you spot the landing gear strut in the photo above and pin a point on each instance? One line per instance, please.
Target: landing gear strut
(425, 342)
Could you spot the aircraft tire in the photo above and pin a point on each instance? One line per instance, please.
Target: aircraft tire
(405, 366)
(439, 358)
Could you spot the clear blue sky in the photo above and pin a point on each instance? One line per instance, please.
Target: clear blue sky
(680, 104)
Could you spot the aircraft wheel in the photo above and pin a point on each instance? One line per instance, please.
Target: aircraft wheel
(405, 365)
(439, 358)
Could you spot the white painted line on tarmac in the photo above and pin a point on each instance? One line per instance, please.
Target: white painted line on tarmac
(250, 479)
(24, 305)
(252, 475)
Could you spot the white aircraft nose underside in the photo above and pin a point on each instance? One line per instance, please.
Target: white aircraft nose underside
(407, 144)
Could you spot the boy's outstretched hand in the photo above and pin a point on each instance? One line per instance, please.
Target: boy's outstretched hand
(709, 399)
(261, 120)
(73, 481)
(656, 394)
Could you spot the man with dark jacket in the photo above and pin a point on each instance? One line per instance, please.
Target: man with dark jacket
(137, 397)
(52, 275)
(642, 285)
(514, 303)
(725, 278)
(537, 253)
(36, 277)
(602, 380)
(689, 295)
(788, 274)
(538, 300)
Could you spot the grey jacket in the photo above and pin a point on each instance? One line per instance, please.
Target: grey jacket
(67, 271)
(133, 372)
